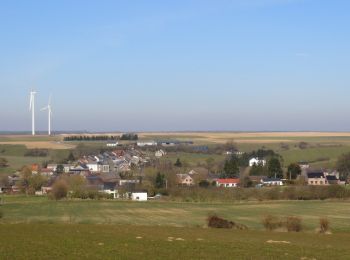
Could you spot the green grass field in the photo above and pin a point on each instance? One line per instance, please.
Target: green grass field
(35, 227)
(21, 209)
(59, 241)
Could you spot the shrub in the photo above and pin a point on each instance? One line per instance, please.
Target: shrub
(59, 190)
(204, 184)
(271, 222)
(293, 224)
(324, 225)
(1, 214)
(216, 222)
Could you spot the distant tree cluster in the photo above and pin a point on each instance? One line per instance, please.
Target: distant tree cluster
(130, 137)
(231, 169)
(37, 153)
(91, 138)
(243, 160)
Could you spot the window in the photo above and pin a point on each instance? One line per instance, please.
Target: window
(321, 182)
(312, 182)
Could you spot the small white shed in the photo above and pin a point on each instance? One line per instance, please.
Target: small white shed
(139, 196)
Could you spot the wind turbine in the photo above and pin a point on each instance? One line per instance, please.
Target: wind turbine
(32, 108)
(48, 108)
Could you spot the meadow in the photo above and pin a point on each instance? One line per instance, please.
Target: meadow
(76, 241)
(39, 228)
(22, 209)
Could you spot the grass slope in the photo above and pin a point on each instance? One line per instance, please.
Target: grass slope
(40, 209)
(57, 241)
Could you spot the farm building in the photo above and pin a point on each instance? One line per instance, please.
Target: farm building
(112, 144)
(227, 183)
(316, 178)
(271, 182)
(146, 143)
(184, 180)
(139, 196)
(257, 161)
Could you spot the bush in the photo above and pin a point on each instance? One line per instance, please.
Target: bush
(324, 225)
(59, 190)
(293, 224)
(204, 184)
(216, 222)
(271, 222)
(1, 214)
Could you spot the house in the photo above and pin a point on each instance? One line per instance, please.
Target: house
(146, 143)
(98, 166)
(304, 165)
(227, 183)
(271, 182)
(139, 196)
(125, 182)
(332, 179)
(35, 168)
(257, 161)
(80, 169)
(159, 153)
(184, 180)
(46, 172)
(111, 189)
(316, 178)
(112, 144)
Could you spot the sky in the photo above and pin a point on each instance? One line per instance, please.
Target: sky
(184, 65)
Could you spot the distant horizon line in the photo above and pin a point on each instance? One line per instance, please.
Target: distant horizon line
(44, 132)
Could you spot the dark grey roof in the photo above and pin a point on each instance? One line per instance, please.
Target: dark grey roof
(331, 178)
(315, 175)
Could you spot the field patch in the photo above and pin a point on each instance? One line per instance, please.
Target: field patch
(41, 144)
(61, 241)
(31, 209)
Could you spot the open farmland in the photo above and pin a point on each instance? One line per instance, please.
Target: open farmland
(322, 148)
(21, 209)
(166, 230)
(57, 241)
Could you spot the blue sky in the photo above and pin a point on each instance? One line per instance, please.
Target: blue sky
(249, 65)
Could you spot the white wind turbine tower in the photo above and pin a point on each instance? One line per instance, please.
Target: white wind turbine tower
(48, 108)
(32, 108)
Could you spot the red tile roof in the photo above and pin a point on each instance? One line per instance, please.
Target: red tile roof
(222, 181)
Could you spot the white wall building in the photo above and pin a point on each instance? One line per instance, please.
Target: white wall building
(257, 161)
(139, 196)
(112, 144)
(146, 143)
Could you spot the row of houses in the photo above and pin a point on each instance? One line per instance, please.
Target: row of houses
(145, 143)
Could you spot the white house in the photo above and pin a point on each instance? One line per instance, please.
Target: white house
(139, 196)
(227, 183)
(112, 144)
(257, 161)
(93, 167)
(271, 182)
(146, 143)
(98, 167)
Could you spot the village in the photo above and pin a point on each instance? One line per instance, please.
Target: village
(122, 172)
